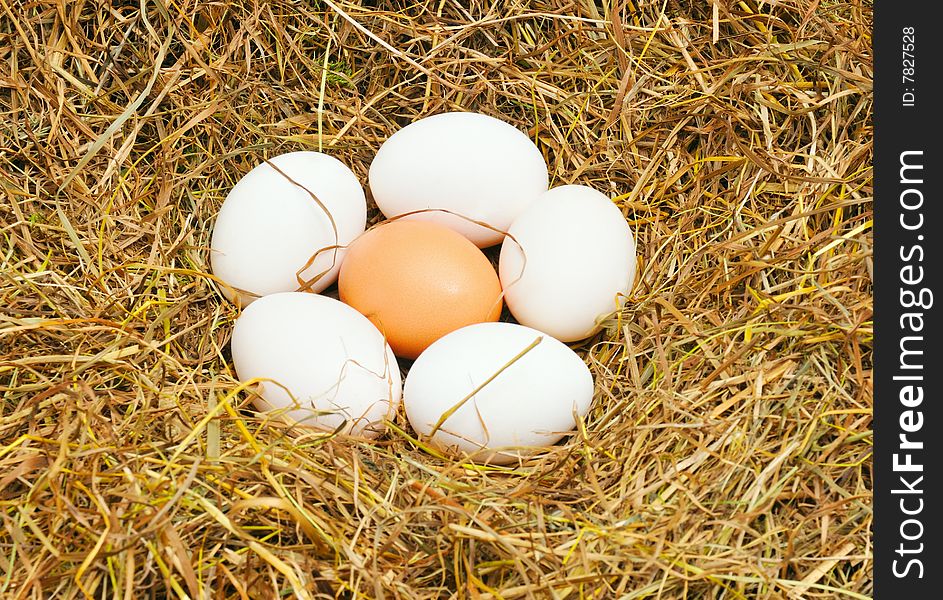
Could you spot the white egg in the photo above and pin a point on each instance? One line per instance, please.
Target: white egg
(324, 364)
(570, 262)
(520, 387)
(269, 228)
(469, 164)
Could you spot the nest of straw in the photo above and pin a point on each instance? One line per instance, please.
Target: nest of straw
(728, 450)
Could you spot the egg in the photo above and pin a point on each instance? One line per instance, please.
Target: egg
(417, 281)
(324, 364)
(568, 260)
(476, 167)
(270, 228)
(497, 391)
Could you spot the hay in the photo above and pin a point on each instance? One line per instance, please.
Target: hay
(727, 454)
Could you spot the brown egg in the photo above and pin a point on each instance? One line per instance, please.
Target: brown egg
(417, 281)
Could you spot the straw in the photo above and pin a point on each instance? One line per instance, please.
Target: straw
(727, 453)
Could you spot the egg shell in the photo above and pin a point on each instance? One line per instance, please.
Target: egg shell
(529, 404)
(467, 163)
(323, 353)
(268, 228)
(569, 260)
(417, 281)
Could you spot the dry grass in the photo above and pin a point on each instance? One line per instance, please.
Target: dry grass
(728, 451)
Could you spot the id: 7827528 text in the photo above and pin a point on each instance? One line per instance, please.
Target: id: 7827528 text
(908, 65)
